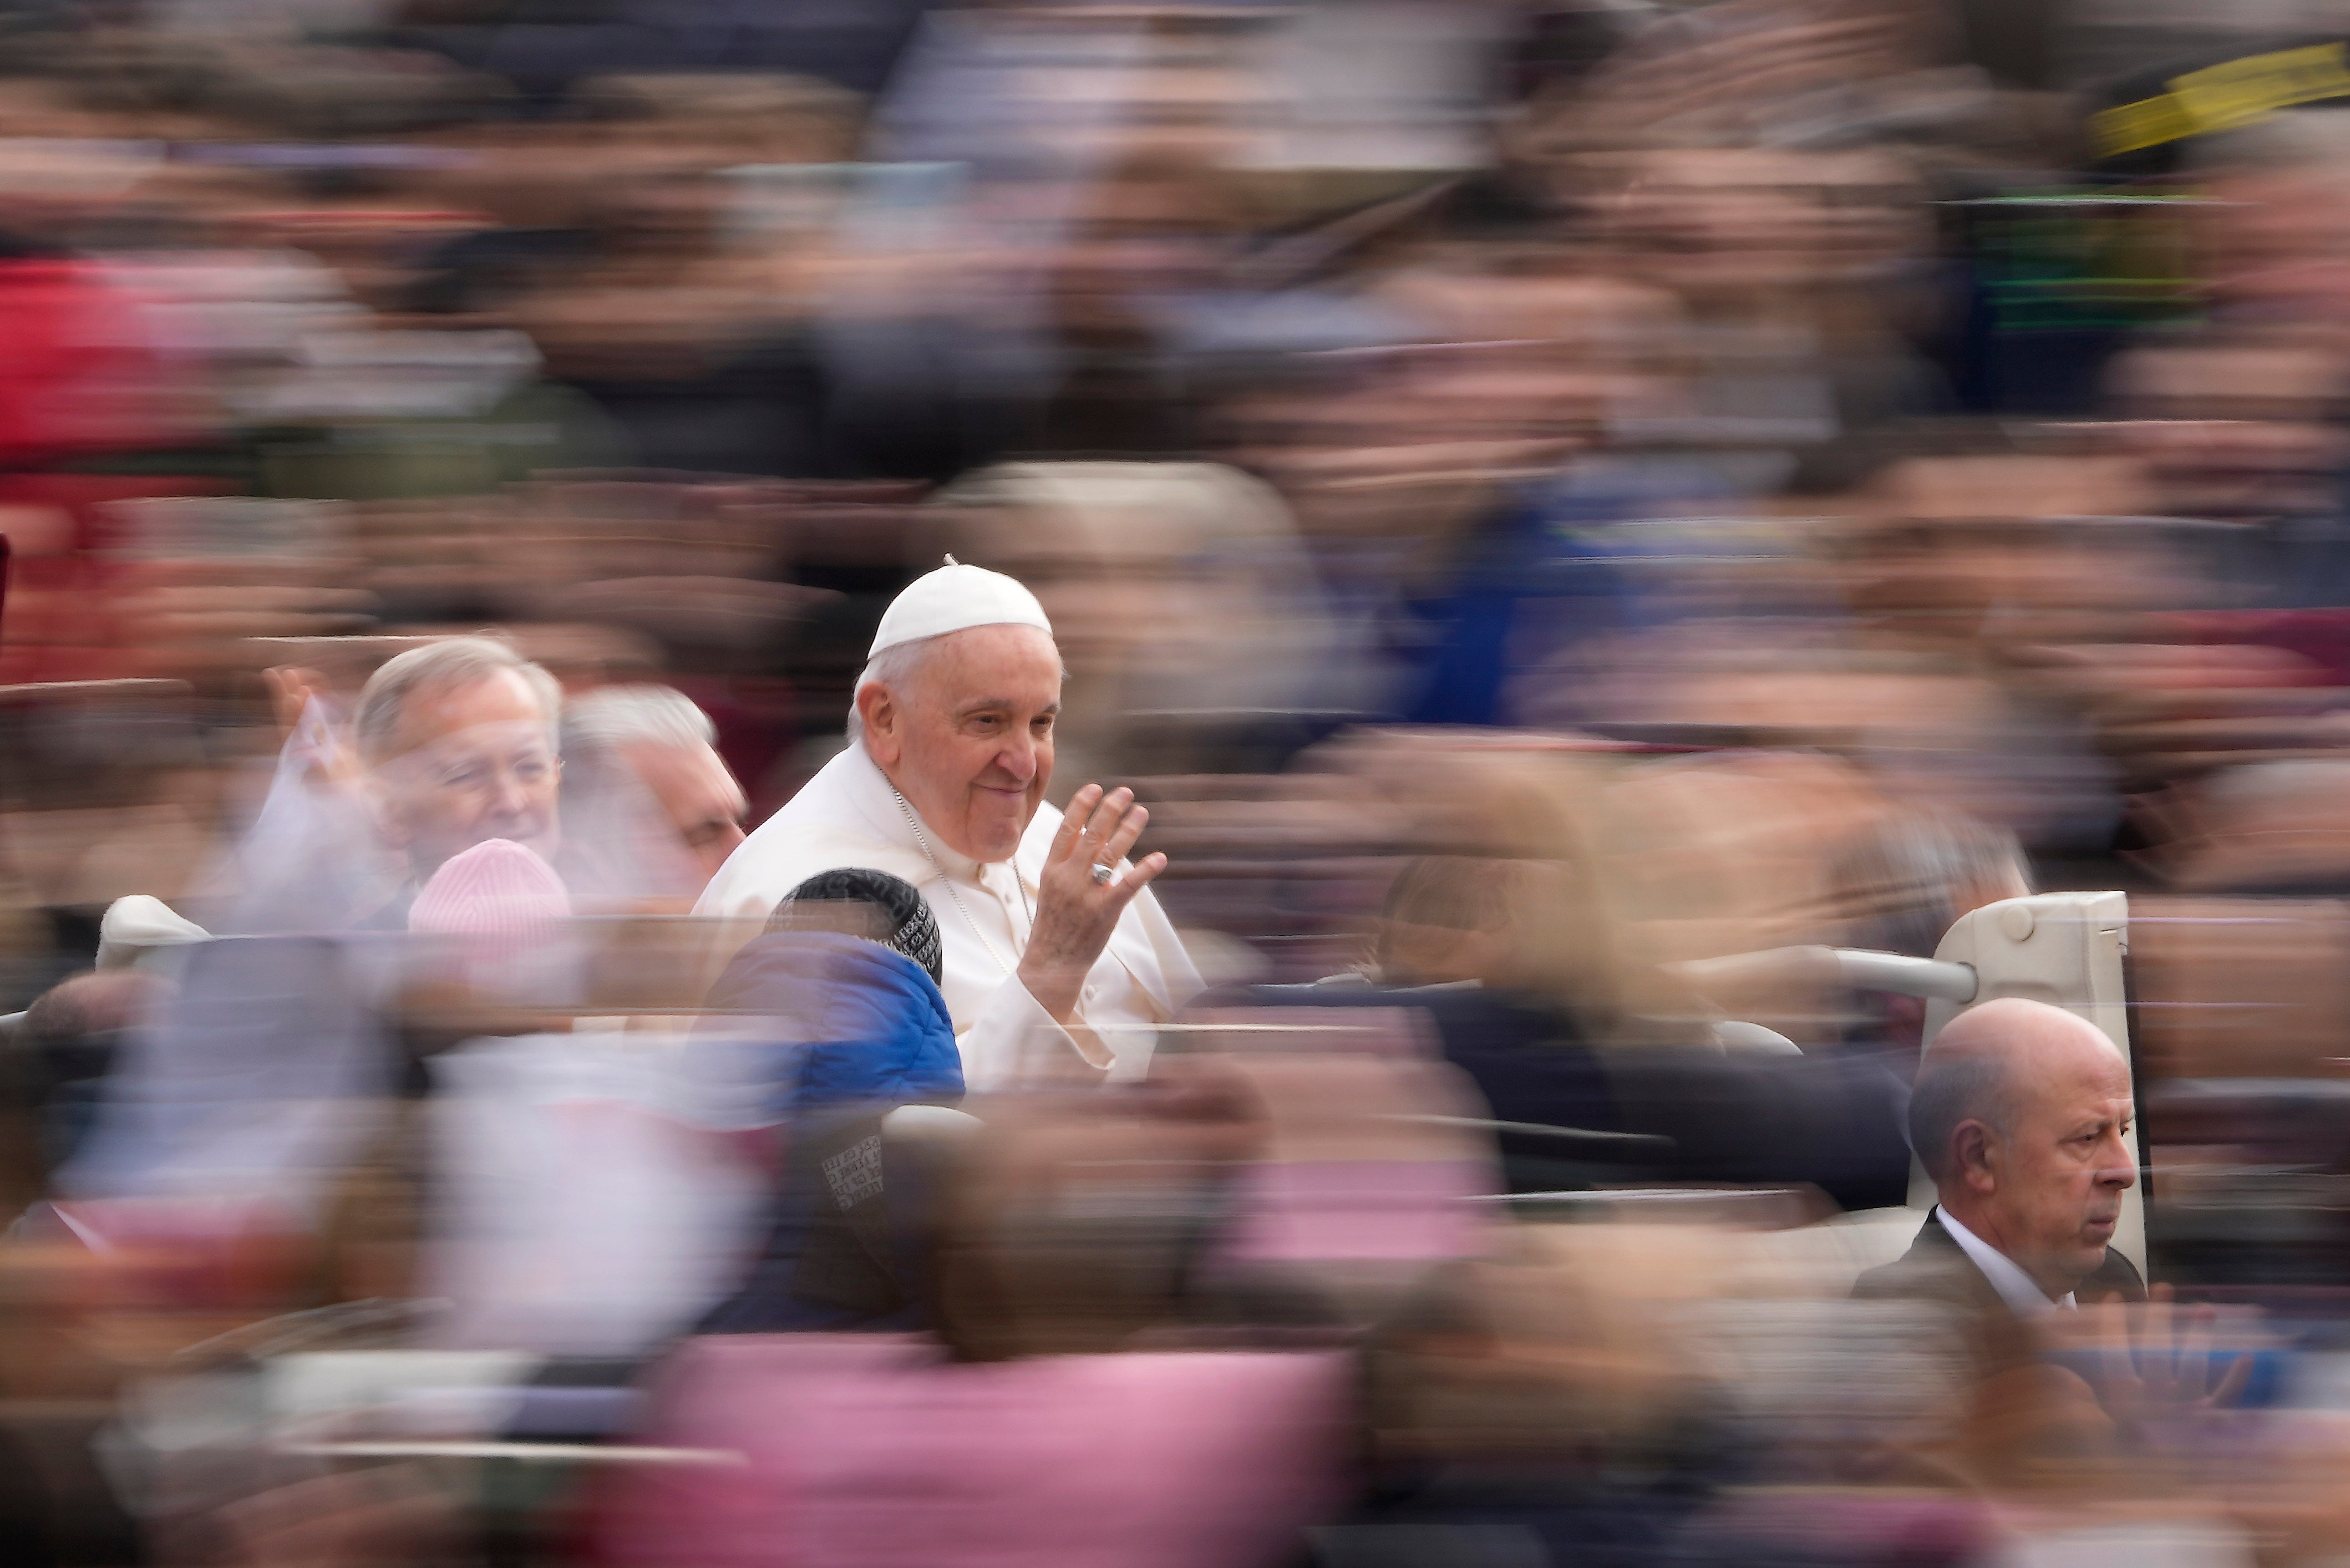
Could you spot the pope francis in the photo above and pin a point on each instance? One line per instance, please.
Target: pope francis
(1057, 958)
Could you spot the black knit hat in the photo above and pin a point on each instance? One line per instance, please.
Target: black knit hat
(906, 925)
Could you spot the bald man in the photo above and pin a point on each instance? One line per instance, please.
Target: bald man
(2021, 1115)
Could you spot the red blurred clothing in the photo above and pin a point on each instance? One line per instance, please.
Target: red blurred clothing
(80, 376)
(80, 371)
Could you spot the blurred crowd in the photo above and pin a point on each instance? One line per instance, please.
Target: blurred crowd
(1532, 528)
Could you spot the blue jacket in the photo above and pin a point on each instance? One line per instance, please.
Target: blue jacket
(866, 1024)
(859, 1029)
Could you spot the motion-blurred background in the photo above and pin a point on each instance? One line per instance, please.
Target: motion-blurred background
(1672, 480)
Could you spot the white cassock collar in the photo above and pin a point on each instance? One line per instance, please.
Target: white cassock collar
(877, 801)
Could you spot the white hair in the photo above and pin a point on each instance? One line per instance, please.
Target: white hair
(612, 717)
(892, 667)
(452, 661)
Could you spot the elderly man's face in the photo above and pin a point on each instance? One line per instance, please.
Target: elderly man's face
(471, 762)
(2061, 1172)
(697, 795)
(969, 741)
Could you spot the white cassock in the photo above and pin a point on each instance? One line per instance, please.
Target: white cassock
(848, 815)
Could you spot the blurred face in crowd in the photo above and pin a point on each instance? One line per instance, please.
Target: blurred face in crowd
(1446, 921)
(967, 736)
(1144, 236)
(1726, 220)
(2242, 429)
(2043, 1179)
(1112, 580)
(668, 205)
(469, 761)
(1414, 441)
(2275, 236)
(699, 797)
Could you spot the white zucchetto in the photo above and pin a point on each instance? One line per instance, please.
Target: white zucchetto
(956, 598)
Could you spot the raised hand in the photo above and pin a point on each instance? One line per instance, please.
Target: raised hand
(1076, 911)
(295, 694)
(2156, 1357)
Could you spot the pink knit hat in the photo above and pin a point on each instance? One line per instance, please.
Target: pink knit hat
(497, 889)
(500, 914)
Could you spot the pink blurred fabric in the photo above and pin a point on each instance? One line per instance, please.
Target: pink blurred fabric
(1370, 1159)
(497, 889)
(872, 1450)
(1396, 1210)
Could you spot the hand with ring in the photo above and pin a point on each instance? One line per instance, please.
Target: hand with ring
(1080, 894)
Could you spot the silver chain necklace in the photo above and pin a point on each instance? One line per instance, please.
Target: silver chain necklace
(1018, 881)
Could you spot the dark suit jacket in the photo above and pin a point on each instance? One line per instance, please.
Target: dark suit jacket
(1937, 1269)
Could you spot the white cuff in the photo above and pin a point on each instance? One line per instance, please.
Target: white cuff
(1015, 1043)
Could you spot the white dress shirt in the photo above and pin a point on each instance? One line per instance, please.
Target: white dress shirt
(848, 815)
(2022, 1294)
